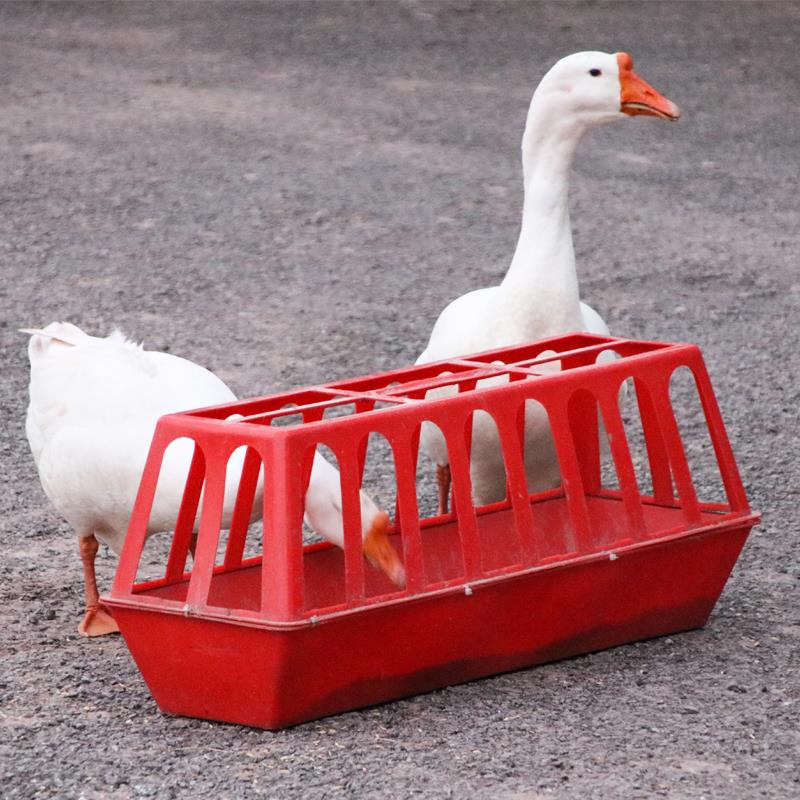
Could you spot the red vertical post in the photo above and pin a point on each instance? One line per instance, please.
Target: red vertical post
(350, 465)
(184, 526)
(468, 432)
(210, 523)
(456, 436)
(282, 563)
(731, 479)
(585, 429)
(405, 449)
(674, 448)
(517, 482)
(243, 510)
(654, 443)
(620, 452)
(579, 537)
(140, 517)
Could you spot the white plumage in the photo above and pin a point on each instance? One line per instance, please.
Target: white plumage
(539, 296)
(94, 404)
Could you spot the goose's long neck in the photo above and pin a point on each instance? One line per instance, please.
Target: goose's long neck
(542, 277)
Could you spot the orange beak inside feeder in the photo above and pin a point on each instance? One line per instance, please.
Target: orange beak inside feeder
(380, 553)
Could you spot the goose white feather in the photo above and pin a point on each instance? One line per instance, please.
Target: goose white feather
(94, 404)
(539, 296)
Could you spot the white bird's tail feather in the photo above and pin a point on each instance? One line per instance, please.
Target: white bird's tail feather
(58, 334)
(56, 337)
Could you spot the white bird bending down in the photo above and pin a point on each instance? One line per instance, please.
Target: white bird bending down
(539, 296)
(323, 513)
(94, 404)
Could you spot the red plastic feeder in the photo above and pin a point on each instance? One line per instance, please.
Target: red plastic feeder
(302, 631)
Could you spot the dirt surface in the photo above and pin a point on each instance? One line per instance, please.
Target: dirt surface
(291, 193)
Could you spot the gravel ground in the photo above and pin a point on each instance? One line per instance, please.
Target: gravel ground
(291, 193)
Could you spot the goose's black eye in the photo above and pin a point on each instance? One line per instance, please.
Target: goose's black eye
(595, 72)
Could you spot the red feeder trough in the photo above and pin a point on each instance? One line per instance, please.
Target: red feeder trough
(302, 631)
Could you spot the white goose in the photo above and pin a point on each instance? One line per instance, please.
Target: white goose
(94, 403)
(539, 295)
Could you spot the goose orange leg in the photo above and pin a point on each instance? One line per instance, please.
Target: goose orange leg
(443, 478)
(98, 620)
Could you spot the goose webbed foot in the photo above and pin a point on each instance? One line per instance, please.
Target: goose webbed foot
(97, 621)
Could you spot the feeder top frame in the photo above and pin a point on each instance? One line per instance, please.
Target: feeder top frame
(386, 391)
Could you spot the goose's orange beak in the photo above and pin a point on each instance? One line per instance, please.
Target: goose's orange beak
(639, 97)
(380, 553)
